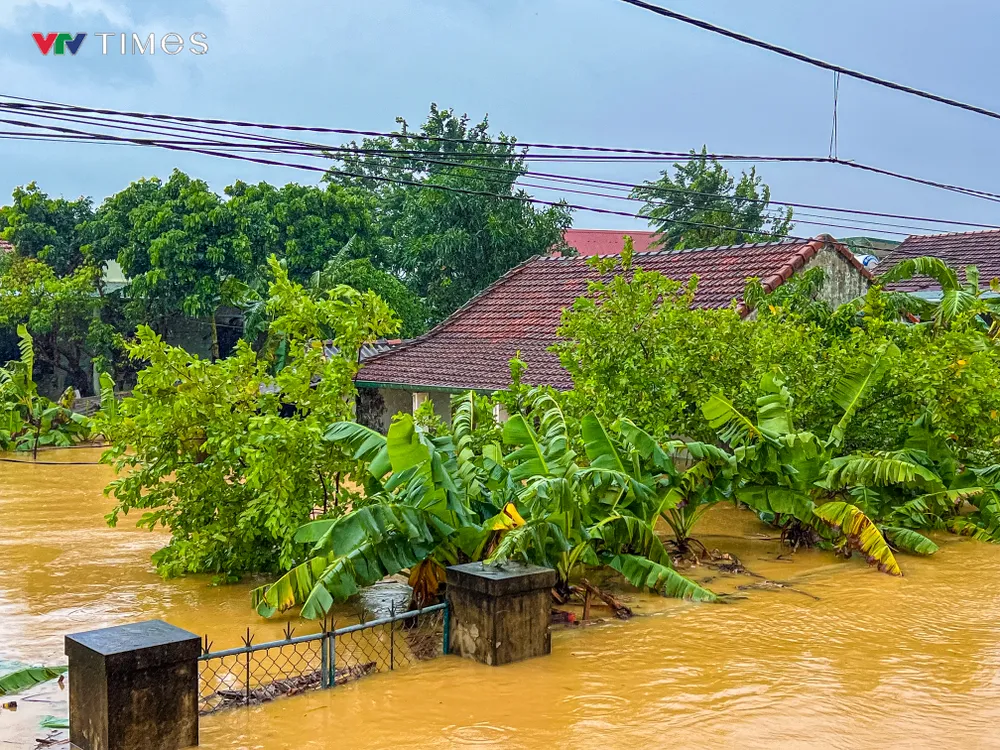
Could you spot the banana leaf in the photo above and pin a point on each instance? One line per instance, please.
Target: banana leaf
(861, 533)
(644, 573)
(909, 540)
(16, 677)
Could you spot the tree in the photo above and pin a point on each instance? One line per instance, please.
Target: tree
(177, 243)
(702, 205)
(228, 454)
(62, 313)
(50, 229)
(360, 274)
(445, 245)
(305, 225)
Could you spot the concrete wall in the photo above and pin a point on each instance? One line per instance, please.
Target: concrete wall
(843, 282)
(396, 400)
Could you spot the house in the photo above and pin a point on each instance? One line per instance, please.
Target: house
(957, 249)
(520, 313)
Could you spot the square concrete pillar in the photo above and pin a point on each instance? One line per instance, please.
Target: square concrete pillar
(133, 686)
(499, 614)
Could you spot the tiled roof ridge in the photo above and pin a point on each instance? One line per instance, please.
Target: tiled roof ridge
(798, 260)
(455, 315)
(710, 248)
(948, 234)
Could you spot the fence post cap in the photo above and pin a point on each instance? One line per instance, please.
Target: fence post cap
(501, 580)
(138, 645)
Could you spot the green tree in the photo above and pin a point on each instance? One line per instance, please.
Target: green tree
(305, 225)
(62, 313)
(177, 243)
(448, 246)
(362, 275)
(228, 454)
(50, 229)
(702, 205)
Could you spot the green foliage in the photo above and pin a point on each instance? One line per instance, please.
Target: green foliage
(62, 313)
(49, 229)
(177, 243)
(30, 421)
(701, 205)
(230, 456)
(449, 246)
(635, 348)
(365, 277)
(305, 225)
(443, 499)
(16, 677)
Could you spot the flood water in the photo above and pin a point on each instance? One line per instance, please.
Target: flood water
(839, 657)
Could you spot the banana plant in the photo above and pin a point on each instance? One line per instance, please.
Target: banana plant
(599, 514)
(416, 511)
(798, 480)
(958, 301)
(30, 420)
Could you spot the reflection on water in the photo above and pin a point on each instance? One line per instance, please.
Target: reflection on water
(875, 661)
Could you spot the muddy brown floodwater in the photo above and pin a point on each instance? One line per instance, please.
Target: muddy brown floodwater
(841, 657)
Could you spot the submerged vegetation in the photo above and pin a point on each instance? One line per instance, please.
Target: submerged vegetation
(29, 420)
(859, 429)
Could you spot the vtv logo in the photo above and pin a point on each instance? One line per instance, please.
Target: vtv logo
(61, 42)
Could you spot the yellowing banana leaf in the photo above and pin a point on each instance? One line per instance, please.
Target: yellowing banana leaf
(508, 519)
(425, 579)
(861, 534)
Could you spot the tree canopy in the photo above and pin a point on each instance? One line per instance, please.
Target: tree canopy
(702, 205)
(448, 244)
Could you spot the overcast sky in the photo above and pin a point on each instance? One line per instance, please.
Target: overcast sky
(595, 72)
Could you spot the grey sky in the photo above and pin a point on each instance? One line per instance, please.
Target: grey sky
(569, 71)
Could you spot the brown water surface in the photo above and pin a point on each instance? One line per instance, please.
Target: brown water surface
(843, 657)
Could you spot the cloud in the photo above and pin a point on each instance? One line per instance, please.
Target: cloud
(20, 12)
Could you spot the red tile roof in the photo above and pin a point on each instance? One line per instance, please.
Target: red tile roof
(957, 249)
(6, 247)
(606, 241)
(521, 312)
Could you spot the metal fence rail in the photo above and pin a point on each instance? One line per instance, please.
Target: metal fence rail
(259, 672)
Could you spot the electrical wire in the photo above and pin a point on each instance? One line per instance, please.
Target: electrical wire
(816, 62)
(288, 146)
(35, 103)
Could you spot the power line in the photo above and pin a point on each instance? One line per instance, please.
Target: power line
(819, 160)
(292, 146)
(427, 185)
(816, 62)
(189, 146)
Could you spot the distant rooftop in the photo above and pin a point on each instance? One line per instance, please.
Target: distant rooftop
(606, 241)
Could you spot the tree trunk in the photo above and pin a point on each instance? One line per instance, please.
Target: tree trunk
(215, 337)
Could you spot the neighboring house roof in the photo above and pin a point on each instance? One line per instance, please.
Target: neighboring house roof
(521, 312)
(6, 247)
(870, 245)
(606, 241)
(957, 249)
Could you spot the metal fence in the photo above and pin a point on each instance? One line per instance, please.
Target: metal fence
(259, 672)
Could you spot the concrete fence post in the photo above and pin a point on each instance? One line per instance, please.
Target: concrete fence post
(499, 614)
(133, 686)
